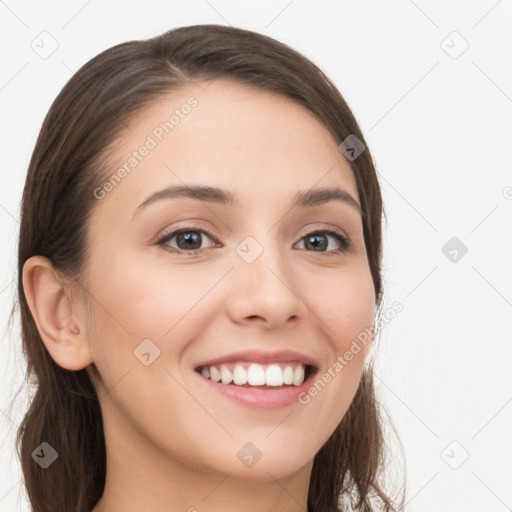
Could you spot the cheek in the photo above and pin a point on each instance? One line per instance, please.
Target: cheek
(345, 305)
(148, 299)
(345, 308)
(136, 301)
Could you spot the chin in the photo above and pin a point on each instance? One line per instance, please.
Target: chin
(268, 459)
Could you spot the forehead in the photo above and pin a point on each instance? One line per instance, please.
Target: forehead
(237, 137)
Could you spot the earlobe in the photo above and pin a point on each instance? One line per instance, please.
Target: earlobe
(54, 314)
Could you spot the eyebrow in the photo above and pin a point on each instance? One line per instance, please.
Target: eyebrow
(209, 194)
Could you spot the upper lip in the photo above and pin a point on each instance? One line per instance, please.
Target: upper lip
(260, 356)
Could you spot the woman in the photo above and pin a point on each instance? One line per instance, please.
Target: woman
(199, 256)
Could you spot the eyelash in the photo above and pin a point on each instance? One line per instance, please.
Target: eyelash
(344, 242)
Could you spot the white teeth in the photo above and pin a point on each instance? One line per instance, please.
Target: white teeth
(225, 375)
(298, 376)
(239, 375)
(274, 375)
(288, 375)
(256, 375)
(214, 374)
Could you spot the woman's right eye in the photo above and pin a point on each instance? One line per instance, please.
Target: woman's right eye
(188, 240)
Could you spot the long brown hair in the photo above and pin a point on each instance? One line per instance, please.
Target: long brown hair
(70, 160)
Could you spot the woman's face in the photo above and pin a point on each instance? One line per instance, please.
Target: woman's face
(245, 281)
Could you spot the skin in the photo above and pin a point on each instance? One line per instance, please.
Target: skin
(171, 442)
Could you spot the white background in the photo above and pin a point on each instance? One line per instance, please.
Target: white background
(439, 129)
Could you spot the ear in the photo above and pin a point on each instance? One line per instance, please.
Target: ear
(52, 309)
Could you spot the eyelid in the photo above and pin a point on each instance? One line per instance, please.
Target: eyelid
(316, 227)
(191, 224)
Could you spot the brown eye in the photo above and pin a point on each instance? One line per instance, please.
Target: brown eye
(187, 239)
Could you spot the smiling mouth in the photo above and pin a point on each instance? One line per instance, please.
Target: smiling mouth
(258, 376)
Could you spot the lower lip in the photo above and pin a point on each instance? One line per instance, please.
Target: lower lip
(259, 398)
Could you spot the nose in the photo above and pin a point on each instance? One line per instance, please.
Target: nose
(265, 291)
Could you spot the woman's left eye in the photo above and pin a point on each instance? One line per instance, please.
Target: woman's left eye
(319, 240)
(188, 240)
